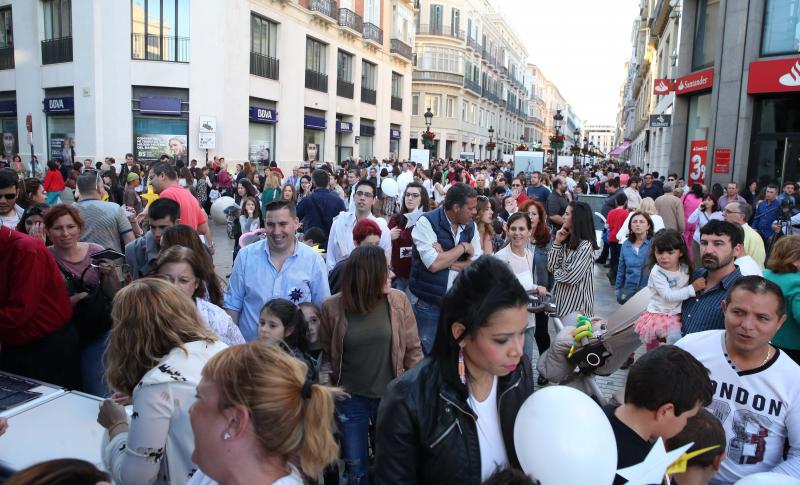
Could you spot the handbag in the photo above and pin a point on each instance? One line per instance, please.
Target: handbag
(91, 315)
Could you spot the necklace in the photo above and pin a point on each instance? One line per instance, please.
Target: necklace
(733, 365)
(769, 353)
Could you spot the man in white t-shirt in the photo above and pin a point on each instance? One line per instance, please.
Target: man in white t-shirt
(756, 386)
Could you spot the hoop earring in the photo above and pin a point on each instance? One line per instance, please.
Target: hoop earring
(462, 371)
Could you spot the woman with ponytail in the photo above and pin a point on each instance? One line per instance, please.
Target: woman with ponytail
(258, 419)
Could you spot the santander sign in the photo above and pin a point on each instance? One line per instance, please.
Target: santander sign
(774, 76)
(696, 81)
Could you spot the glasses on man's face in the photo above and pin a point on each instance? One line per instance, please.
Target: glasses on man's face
(367, 195)
(516, 185)
(728, 211)
(9, 196)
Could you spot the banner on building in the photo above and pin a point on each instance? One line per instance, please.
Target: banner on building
(698, 153)
(61, 146)
(662, 87)
(260, 151)
(149, 147)
(774, 76)
(722, 160)
(528, 162)
(696, 81)
(660, 121)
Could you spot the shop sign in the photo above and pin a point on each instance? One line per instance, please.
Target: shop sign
(662, 87)
(722, 160)
(660, 121)
(8, 107)
(63, 104)
(696, 81)
(367, 130)
(314, 122)
(158, 105)
(263, 115)
(150, 146)
(208, 124)
(697, 162)
(774, 76)
(344, 126)
(394, 134)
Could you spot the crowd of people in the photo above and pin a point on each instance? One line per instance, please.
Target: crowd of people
(375, 326)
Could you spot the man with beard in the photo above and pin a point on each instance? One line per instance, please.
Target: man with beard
(721, 242)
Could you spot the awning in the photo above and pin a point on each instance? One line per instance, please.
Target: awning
(618, 151)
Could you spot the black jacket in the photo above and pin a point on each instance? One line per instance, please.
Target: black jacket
(611, 202)
(426, 432)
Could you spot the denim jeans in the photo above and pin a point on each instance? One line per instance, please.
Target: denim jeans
(92, 366)
(427, 316)
(354, 416)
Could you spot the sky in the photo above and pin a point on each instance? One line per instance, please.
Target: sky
(580, 45)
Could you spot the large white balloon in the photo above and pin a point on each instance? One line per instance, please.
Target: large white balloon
(218, 209)
(768, 478)
(389, 187)
(562, 437)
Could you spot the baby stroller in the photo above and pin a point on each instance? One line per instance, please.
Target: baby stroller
(577, 363)
(232, 227)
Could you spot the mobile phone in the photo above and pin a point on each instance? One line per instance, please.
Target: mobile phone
(107, 254)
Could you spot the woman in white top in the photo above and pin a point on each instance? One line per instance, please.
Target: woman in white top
(520, 259)
(182, 267)
(257, 419)
(648, 206)
(438, 189)
(155, 354)
(708, 210)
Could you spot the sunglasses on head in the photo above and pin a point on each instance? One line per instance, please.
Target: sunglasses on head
(33, 211)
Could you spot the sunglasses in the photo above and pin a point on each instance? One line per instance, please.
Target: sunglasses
(368, 195)
(9, 196)
(32, 211)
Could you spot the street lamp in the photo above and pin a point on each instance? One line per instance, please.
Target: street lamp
(427, 138)
(557, 118)
(576, 141)
(585, 149)
(490, 145)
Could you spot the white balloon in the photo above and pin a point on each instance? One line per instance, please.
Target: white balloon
(218, 209)
(768, 478)
(389, 187)
(562, 437)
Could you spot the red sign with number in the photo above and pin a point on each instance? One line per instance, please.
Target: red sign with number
(722, 160)
(697, 162)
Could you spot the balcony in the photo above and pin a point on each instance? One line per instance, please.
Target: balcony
(316, 81)
(397, 46)
(57, 50)
(373, 33)
(438, 77)
(350, 20)
(368, 95)
(7, 57)
(504, 71)
(159, 48)
(440, 30)
(264, 66)
(344, 88)
(472, 86)
(323, 9)
(473, 44)
(397, 103)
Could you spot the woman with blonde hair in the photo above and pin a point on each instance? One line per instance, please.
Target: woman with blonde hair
(257, 419)
(272, 191)
(484, 217)
(155, 354)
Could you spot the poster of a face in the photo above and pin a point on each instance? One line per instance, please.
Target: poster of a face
(9, 144)
(150, 147)
(61, 146)
(312, 152)
(260, 151)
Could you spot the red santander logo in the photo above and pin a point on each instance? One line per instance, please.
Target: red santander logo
(696, 81)
(774, 76)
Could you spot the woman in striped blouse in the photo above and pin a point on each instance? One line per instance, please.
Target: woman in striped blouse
(571, 261)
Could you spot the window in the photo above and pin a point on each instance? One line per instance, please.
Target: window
(455, 23)
(464, 111)
(372, 11)
(160, 30)
(57, 19)
(781, 27)
(315, 55)
(368, 75)
(441, 59)
(415, 104)
(344, 68)
(263, 36)
(402, 23)
(705, 34)
(473, 113)
(433, 101)
(6, 29)
(437, 17)
(451, 107)
(397, 85)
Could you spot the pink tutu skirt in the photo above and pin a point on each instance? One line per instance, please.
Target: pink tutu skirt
(656, 326)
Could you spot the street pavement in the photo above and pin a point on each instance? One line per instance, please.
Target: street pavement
(605, 303)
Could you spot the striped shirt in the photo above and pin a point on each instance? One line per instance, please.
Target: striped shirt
(704, 311)
(572, 273)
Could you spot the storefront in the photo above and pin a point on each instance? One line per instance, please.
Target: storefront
(394, 141)
(8, 125)
(160, 126)
(366, 143)
(697, 87)
(344, 137)
(262, 133)
(314, 136)
(60, 113)
(775, 142)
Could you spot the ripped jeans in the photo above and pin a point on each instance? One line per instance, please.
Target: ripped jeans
(354, 416)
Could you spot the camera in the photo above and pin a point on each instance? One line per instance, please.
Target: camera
(788, 208)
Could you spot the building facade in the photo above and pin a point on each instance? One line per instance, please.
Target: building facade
(603, 137)
(535, 124)
(469, 72)
(243, 79)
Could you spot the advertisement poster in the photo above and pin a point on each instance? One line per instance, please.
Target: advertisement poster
(260, 151)
(528, 162)
(10, 145)
(421, 156)
(722, 160)
(149, 147)
(61, 145)
(697, 162)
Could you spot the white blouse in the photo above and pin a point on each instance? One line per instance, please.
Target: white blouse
(158, 445)
(219, 322)
(293, 478)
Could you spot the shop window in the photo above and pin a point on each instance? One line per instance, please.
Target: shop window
(263, 46)
(699, 122)
(6, 39)
(705, 34)
(160, 30)
(781, 25)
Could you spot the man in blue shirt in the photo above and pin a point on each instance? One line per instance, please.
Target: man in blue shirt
(767, 211)
(721, 242)
(278, 267)
(319, 209)
(536, 190)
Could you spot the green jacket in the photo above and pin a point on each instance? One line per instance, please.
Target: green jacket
(269, 195)
(788, 337)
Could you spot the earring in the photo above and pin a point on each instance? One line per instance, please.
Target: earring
(462, 371)
(226, 436)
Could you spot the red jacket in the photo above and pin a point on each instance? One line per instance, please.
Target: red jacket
(615, 220)
(53, 181)
(33, 297)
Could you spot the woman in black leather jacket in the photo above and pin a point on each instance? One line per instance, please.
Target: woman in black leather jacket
(450, 419)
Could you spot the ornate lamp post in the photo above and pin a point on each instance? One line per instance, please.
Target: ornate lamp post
(557, 141)
(490, 146)
(585, 149)
(428, 136)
